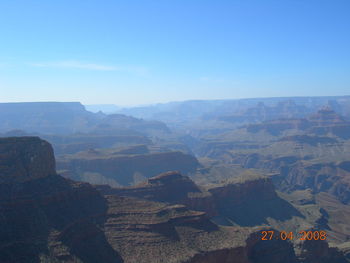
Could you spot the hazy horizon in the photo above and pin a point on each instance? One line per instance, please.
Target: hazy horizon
(173, 101)
(144, 52)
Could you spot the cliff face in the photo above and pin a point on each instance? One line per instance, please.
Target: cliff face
(125, 169)
(38, 209)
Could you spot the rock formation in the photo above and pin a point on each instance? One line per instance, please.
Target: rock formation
(47, 218)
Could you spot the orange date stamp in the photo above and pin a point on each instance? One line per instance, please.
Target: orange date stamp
(301, 235)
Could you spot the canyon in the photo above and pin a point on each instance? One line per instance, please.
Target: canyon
(47, 218)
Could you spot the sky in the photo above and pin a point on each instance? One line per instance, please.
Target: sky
(142, 52)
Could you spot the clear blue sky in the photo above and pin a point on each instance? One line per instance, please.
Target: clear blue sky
(138, 52)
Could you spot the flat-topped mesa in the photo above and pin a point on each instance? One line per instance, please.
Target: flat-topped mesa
(25, 158)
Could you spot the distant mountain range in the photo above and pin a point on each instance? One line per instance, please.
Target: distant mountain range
(256, 109)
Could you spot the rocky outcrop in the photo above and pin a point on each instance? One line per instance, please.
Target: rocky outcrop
(25, 158)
